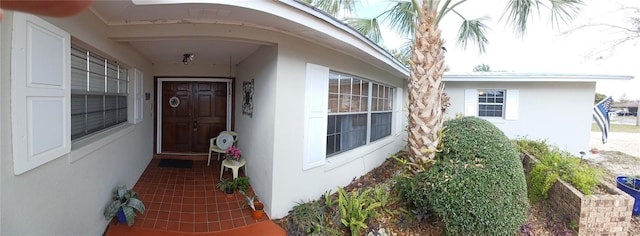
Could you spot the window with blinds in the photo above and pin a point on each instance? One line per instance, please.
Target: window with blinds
(357, 108)
(99, 90)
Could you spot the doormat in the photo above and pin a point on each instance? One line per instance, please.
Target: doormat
(175, 163)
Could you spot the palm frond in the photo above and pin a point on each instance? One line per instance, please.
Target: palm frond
(334, 7)
(518, 12)
(403, 17)
(446, 9)
(367, 27)
(564, 10)
(473, 30)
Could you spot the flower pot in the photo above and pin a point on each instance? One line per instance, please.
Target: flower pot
(234, 162)
(258, 212)
(635, 193)
(229, 193)
(122, 218)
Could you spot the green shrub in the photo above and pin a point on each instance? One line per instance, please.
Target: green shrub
(555, 163)
(477, 185)
(413, 192)
(531, 147)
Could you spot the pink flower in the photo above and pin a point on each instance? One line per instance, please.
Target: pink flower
(234, 152)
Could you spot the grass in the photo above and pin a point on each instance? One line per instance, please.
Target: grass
(618, 128)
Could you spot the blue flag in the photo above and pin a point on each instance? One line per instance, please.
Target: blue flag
(601, 115)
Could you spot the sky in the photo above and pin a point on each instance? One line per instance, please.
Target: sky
(544, 48)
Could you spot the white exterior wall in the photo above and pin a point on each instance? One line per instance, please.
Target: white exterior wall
(256, 134)
(292, 184)
(63, 197)
(37, 201)
(559, 112)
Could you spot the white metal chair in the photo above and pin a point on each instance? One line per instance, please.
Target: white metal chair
(221, 143)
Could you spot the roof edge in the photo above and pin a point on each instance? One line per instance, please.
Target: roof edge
(311, 10)
(532, 77)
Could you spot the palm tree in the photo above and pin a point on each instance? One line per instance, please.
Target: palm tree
(427, 100)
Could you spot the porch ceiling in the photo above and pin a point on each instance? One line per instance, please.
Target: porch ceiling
(167, 40)
(170, 50)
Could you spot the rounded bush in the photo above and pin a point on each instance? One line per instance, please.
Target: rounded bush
(477, 185)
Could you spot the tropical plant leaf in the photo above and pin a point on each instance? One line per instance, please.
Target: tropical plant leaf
(136, 204)
(122, 190)
(334, 7)
(564, 10)
(403, 17)
(129, 213)
(474, 30)
(112, 209)
(367, 27)
(518, 11)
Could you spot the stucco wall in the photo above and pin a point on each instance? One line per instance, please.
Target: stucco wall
(256, 133)
(559, 112)
(291, 184)
(63, 197)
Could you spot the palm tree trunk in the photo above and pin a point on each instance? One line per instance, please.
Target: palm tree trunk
(427, 100)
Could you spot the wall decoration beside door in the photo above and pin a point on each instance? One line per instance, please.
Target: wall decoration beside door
(247, 98)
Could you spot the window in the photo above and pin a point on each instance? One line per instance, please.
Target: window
(358, 109)
(491, 103)
(99, 90)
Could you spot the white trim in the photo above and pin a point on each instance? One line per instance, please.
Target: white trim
(530, 77)
(159, 103)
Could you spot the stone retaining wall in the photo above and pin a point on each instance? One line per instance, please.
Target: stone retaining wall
(601, 214)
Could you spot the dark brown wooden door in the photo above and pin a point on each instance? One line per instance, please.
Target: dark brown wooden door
(198, 114)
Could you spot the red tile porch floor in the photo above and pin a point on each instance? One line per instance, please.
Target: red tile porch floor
(188, 201)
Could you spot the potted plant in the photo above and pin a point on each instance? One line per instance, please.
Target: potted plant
(125, 202)
(227, 186)
(233, 154)
(257, 207)
(241, 184)
(631, 186)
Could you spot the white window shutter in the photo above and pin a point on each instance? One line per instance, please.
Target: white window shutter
(471, 102)
(315, 112)
(511, 106)
(40, 92)
(138, 96)
(399, 101)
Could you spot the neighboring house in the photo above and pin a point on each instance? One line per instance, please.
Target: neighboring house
(553, 107)
(87, 101)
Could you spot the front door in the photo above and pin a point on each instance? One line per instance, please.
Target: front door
(192, 113)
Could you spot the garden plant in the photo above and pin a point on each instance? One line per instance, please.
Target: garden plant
(476, 185)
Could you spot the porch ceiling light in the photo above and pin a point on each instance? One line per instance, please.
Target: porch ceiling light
(187, 57)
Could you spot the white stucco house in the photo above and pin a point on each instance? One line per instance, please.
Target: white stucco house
(87, 101)
(555, 107)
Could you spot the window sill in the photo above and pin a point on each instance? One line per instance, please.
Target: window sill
(351, 155)
(494, 120)
(85, 146)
